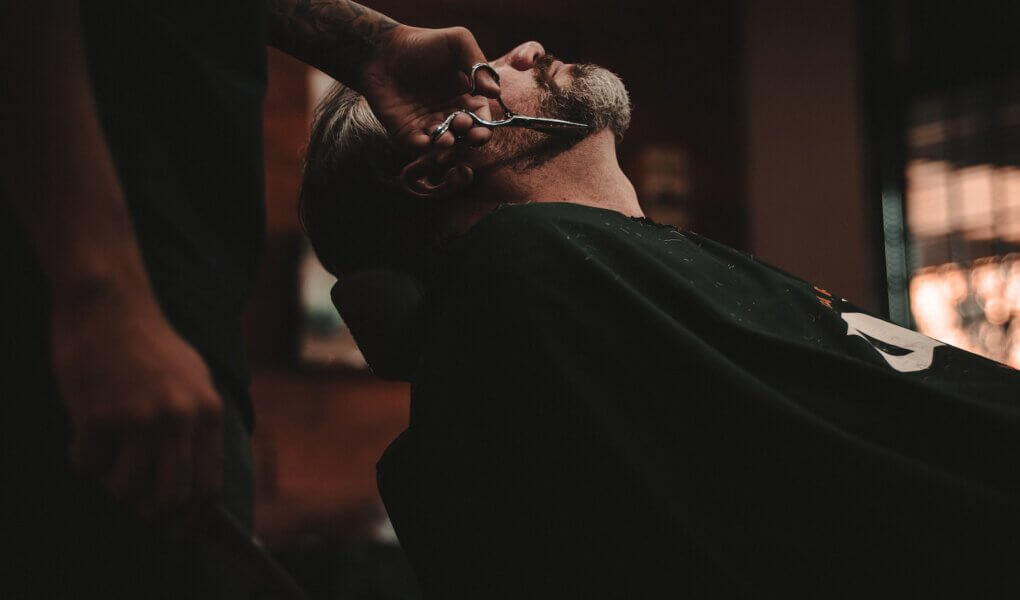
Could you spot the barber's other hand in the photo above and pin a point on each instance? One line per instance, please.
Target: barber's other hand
(147, 421)
(419, 76)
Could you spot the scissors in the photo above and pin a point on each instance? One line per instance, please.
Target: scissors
(510, 118)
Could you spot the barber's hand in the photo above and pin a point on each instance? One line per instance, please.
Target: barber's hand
(147, 420)
(419, 76)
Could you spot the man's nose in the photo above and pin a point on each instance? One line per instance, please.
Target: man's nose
(522, 57)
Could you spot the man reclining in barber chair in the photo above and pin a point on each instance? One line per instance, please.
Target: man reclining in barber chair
(603, 406)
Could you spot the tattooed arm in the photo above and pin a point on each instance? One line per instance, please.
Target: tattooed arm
(411, 77)
(335, 36)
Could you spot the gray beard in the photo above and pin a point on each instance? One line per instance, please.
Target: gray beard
(595, 96)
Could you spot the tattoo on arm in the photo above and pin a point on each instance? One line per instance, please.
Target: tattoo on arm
(336, 36)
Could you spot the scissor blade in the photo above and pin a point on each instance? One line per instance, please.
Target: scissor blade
(547, 125)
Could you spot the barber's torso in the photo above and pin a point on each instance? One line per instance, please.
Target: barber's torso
(178, 89)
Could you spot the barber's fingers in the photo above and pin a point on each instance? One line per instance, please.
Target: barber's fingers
(467, 54)
(172, 485)
(420, 133)
(208, 451)
(486, 84)
(93, 451)
(463, 130)
(459, 126)
(477, 136)
(417, 134)
(421, 140)
(131, 478)
(172, 462)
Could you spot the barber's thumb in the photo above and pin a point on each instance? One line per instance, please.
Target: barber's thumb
(485, 84)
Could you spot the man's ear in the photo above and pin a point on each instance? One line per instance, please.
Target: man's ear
(424, 177)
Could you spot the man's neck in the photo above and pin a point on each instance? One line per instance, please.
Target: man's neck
(587, 174)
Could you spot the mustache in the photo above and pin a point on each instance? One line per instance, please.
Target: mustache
(542, 75)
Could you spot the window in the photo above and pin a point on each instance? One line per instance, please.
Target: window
(962, 217)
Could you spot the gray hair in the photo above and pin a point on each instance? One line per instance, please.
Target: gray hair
(351, 203)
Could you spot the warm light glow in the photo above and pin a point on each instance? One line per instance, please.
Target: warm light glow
(1009, 215)
(927, 197)
(971, 203)
(972, 304)
(976, 308)
(318, 85)
(981, 202)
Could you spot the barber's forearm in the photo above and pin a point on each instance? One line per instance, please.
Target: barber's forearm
(335, 36)
(57, 171)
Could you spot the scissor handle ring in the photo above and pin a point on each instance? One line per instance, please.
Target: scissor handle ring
(474, 72)
(445, 125)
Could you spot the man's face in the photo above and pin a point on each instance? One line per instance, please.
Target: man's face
(533, 82)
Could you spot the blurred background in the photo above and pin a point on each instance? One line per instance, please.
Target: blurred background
(872, 148)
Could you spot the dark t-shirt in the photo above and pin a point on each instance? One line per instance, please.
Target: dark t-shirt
(178, 88)
(606, 407)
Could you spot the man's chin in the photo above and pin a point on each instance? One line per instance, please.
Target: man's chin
(530, 149)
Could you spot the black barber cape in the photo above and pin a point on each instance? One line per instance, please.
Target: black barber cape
(606, 407)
